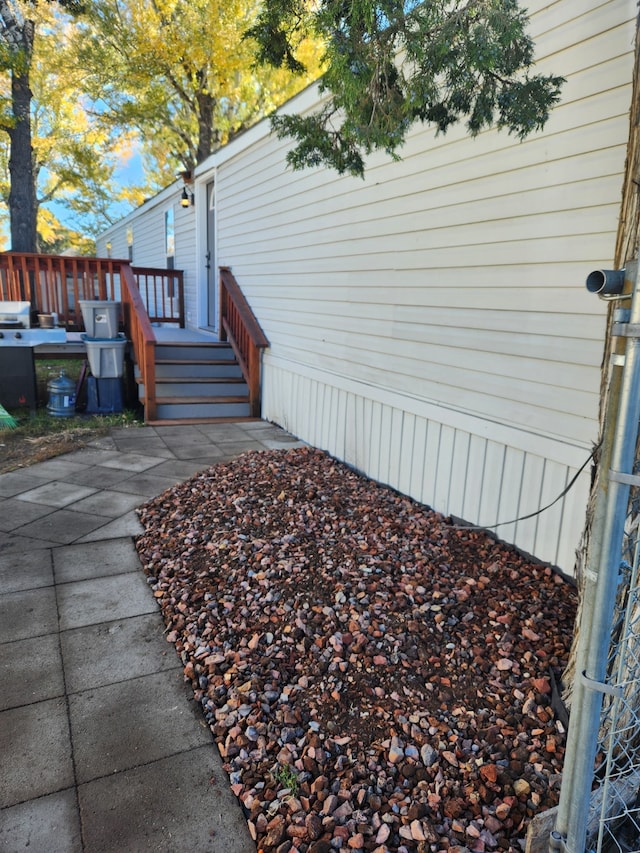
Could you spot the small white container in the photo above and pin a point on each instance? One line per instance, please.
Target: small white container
(101, 318)
(106, 356)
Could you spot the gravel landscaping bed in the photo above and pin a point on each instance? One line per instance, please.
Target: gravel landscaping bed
(376, 678)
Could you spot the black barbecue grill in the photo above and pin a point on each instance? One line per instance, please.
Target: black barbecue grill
(17, 342)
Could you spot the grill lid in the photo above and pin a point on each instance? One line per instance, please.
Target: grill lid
(16, 314)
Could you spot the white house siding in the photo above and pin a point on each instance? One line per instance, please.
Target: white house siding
(186, 258)
(429, 324)
(147, 225)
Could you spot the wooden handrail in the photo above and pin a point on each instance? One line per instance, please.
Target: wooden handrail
(139, 330)
(240, 327)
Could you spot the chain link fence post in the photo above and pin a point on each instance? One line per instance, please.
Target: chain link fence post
(600, 700)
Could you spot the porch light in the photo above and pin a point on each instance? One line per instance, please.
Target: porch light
(186, 199)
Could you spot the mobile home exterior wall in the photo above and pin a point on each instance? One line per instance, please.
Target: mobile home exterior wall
(142, 237)
(429, 324)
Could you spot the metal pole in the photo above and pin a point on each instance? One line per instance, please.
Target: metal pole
(599, 593)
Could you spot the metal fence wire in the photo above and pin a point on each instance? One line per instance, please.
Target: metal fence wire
(614, 816)
(599, 810)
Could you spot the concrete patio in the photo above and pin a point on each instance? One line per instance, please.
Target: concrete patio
(103, 747)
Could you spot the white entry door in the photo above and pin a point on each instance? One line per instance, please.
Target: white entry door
(212, 268)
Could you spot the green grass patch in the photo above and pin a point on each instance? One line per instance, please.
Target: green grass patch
(42, 423)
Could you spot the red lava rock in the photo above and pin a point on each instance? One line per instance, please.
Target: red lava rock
(352, 646)
(450, 757)
(320, 847)
(314, 826)
(489, 772)
(275, 832)
(542, 685)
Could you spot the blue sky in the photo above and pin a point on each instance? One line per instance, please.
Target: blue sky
(129, 174)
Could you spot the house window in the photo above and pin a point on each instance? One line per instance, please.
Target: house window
(170, 237)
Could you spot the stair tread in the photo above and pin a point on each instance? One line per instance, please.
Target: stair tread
(195, 344)
(195, 380)
(219, 420)
(186, 401)
(216, 361)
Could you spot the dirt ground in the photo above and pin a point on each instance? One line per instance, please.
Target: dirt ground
(19, 451)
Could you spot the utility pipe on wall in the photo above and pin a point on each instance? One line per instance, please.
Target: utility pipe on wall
(601, 577)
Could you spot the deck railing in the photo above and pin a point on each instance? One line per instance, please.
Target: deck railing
(139, 330)
(239, 326)
(56, 284)
(162, 292)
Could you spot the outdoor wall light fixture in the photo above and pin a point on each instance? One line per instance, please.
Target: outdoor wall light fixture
(186, 199)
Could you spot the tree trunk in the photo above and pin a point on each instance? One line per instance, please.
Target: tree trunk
(23, 206)
(208, 136)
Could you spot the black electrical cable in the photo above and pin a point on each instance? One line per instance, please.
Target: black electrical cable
(538, 511)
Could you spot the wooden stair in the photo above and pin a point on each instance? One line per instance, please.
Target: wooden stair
(197, 382)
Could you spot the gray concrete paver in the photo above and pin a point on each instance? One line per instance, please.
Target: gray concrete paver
(149, 446)
(146, 485)
(141, 432)
(103, 747)
(92, 455)
(27, 569)
(108, 504)
(176, 440)
(105, 477)
(206, 453)
(50, 823)
(12, 544)
(132, 461)
(126, 525)
(30, 671)
(62, 526)
(28, 613)
(180, 469)
(279, 444)
(36, 751)
(94, 560)
(120, 726)
(115, 651)
(55, 469)
(180, 433)
(181, 803)
(57, 494)
(97, 600)
(14, 513)
(16, 482)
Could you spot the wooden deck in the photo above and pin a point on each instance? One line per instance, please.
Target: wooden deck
(170, 363)
(75, 347)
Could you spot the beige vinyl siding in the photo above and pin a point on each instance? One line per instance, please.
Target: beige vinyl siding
(185, 259)
(149, 243)
(149, 238)
(482, 476)
(429, 324)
